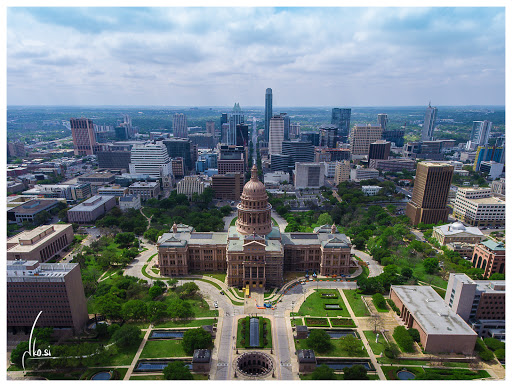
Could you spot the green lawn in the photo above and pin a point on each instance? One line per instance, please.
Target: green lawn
(186, 323)
(377, 347)
(201, 309)
(162, 348)
(436, 373)
(156, 271)
(380, 310)
(240, 336)
(297, 321)
(124, 356)
(357, 305)
(335, 351)
(386, 360)
(314, 305)
(147, 377)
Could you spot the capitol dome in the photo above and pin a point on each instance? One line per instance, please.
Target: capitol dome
(254, 208)
(458, 226)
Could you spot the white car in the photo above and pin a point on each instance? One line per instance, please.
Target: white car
(215, 304)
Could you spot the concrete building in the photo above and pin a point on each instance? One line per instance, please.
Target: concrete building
(498, 187)
(54, 288)
(493, 169)
(379, 150)
(429, 124)
(477, 303)
(191, 185)
(201, 361)
(178, 167)
(70, 192)
(228, 186)
(98, 178)
(430, 193)
(276, 135)
(480, 133)
(113, 190)
(441, 329)
(393, 165)
(360, 174)
(307, 360)
(361, 137)
(129, 201)
(40, 244)
(489, 256)
(370, 190)
(114, 156)
(276, 178)
(150, 159)
(84, 138)
(145, 190)
(179, 125)
(210, 128)
(477, 207)
(382, 121)
(331, 154)
(16, 149)
(457, 232)
(330, 169)
(91, 209)
(27, 211)
(342, 171)
(309, 175)
(254, 252)
(394, 136)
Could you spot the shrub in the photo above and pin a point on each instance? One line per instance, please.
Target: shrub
(494, 344)
(403, 339)
(500, 354)
(379, 301)
(393, 306)
(356, 372)
(391, 350)
(415, 334)
(323, 373)
(484, 353)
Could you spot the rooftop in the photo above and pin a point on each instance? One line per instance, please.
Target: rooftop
(492, 245)
(92, 203)
(430, 311)
(457, 228)
(29, 240)
(34, 271)
(34, 206)
(144, 184)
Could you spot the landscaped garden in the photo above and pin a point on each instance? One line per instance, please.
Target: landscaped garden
(243, 333)
(162, 349)
(315, 304)
(320, 341)
(356, 303)
(392, 373)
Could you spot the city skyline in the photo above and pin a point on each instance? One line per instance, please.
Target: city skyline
(308, 56)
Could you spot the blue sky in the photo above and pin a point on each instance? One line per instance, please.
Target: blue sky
(218, 56)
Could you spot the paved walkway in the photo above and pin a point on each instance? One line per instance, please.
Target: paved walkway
(137, 355)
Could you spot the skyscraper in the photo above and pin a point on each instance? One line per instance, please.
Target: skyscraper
(235, 119)
(429, 124)
(341, 118)
(210, 127)
(361, 138)
(480, 133)
(179, 125)
(430, 193)
(150, 159)
(328, 135)
(276, 135)
(382, 120)
(287, 123)
(84, 138)
(242, 135)
(268, 112)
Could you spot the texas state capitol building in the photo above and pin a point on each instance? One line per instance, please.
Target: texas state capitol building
(254, 252)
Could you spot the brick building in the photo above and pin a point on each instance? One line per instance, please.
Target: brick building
(489, 256)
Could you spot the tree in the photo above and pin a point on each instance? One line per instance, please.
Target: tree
(179, 308)
(126, 336)
(431, 265)
(324, 218)
(379, 301)
(177, 370)
(17, 353)
(155, 291)
(406, 272)
(376, 322)
(323, 373)
(415, 334)
(156, 310)
(356, 372)
(319, 340)
(134, 310)
(497, 276)
(187, 290)
(196, 339)
(351, 345)
(109, 306)
(125, 239)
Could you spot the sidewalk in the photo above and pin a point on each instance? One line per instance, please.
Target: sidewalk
(137, 355)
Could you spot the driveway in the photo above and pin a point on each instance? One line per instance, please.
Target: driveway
(374, 266)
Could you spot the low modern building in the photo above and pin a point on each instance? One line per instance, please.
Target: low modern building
(441, 329)
(457, 232)
(228, 186)
(360, 174)
(91, 209)
(493, 169)
(129, 201)
(145, 189)
(55, 289)
(370, 190)
(113, 190)
(477, 207)
(342, 171)
(393, 165)
(27, 211)
(70, 192)
(478, 303)
(464, 249)
(40, 244)
(98, 177)
(489, 256)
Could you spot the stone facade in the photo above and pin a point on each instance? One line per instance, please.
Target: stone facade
(254, 253)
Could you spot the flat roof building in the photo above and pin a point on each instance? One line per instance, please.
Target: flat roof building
(477, 207)
(91, 209)
(457, 232)
(55, 289)
(27, 211)
(129, 201)
(145, 189)
(40, 244)
(441, 329)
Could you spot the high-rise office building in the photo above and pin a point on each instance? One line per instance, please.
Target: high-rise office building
(84, 138)
(430, 193)
(236, 117)
(150, 159)
(287, 124)
(480, 133)
(276, 135)
(301, 152)
(379, 150)
(394, 136)
(179, 125)
(361, 137)
(382, 120)
(180, 147)
(210, 127)
(268, 112)
(341, 118)
(223, 128)
(328, 135)
(242, 135)
(294, 131)
(429, 124)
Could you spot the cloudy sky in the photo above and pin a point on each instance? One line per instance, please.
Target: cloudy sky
(218, 56)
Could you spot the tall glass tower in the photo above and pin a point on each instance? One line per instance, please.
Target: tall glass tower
(341, 118)
(429, 124)
(268, 112)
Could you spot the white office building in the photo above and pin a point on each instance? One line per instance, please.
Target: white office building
(150, 159)
(276, 135)
(477, 207)
(429, 124)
